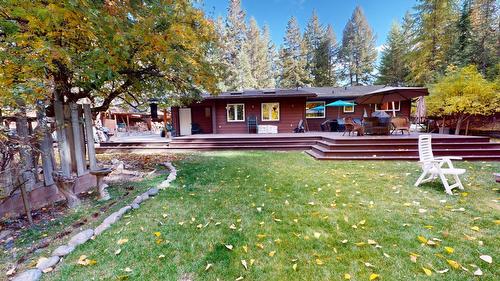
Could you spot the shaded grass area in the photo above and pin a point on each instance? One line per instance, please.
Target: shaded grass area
(276, 210)
(42, 238)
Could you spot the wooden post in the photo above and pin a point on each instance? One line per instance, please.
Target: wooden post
(393, 110)
(128, 124)
(77, 148)
(214, 119)
(45, 145)
(63, 146)
(87, 115)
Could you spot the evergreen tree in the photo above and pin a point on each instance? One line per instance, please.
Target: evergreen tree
(358, 52)
(293, 57)
(234, 41)
(485, 18)
(462, 50)
(270, 69)
(313, 35)
(393, 69)
(258, 52)
(325, 60)
(434, 23)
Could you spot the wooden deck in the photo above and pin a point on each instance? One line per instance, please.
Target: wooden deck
(322, 145)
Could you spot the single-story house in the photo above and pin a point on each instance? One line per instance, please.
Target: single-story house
(230, 112)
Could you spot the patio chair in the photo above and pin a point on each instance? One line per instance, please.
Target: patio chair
(434, 167)
(340, 125)
(300, 127)
(351, 126)
(196, 129)
(325, 126)
(400, 124)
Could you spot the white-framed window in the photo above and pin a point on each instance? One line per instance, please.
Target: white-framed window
(349, 109)
(315, 109)
(388, 106)
(270, 111)
(235, 112)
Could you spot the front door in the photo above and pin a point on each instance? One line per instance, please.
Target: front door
(185, 121)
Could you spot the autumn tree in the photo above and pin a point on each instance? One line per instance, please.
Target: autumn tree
(102, 50)
(357, 53)
(462, 93)
(434, 30)
(257, 47)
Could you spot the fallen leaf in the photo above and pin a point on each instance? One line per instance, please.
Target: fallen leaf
(232, 226)
(478, 272)
(475, 228)
(422, 239)
(367, 264)
(244, 263)
(230, 247)
(443, 271)
(157, 234)
(373, 276)
(317, 235)
(453, 264)
(251, 262)
(427, 271)
(372, 242)
(82, 260)
(259, 245)
(209, 265)
(294, 266)
(271, 254)
(386, 255)
(127, 269)
(347, 276)
(449, 250)
(245, 248)
(117, 252)
(319, 262)
(486, 258)
(161, 256)
(239, 278)
(122, 241)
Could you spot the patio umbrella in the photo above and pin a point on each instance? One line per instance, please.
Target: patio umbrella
(392, 94)
(340, 103)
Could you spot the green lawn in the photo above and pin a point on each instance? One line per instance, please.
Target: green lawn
(278, 210)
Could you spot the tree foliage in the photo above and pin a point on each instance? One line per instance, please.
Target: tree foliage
(358, 52)
(463, 92)
(293, 57)
(104, 49)
(393, 68)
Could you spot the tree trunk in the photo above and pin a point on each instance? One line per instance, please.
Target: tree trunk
(459, 124)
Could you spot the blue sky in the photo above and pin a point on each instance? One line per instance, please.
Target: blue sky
(275, 13)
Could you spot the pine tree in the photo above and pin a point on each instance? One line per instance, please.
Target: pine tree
(258, 53)
(313, 35)
(269, 80)
(358, 52)
(485, 18)
(462, 50)
(325, 60)
(235, 38)
(434, 23)
(393, 69)
(293, 57)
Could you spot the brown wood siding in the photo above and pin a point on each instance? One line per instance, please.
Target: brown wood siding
(199, 116)
(291, 111)
(333, 112)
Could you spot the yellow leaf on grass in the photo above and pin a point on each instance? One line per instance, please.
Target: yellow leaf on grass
(362, 222)
(317, 235)
(422, 239)
(157, 234)
(229, 247)
(259, 245)
(271, 254)
(427, 271)
(261, 236)
(347, 276)
(453, 264)
(449, 250)
(209, 265)
(245, 248)
(319, 262)
(244, 263)
(294, 266)
(475, 228)
(359, 244)
(122, 241)
(374, 276)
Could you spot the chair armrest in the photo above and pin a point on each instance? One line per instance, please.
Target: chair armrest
(448, 157)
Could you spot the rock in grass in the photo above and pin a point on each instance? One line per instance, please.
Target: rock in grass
(63, 250)
(29, 275)
(135, 206)
(153, 191)
(81, 237)
(46, 263)
(101, 228)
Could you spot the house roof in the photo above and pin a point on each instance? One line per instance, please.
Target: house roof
(315, 92)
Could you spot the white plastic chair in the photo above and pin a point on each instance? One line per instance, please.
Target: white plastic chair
(433, 166)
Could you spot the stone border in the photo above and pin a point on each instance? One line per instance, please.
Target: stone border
(46, 265)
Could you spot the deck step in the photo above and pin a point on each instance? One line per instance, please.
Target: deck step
(318, 156)
(377, 146)
(408, 152)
